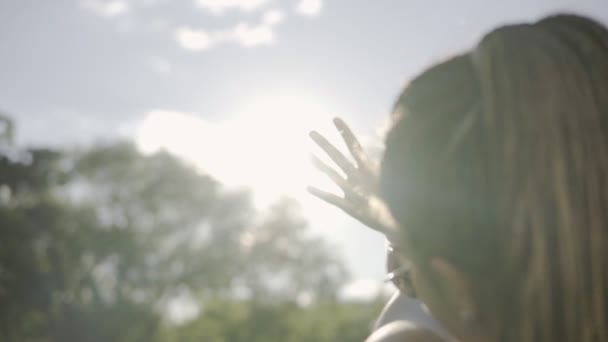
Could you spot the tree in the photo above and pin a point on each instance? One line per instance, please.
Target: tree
(94, 244)
(239, 321)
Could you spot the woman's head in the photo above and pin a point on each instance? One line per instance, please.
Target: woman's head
(496, 167)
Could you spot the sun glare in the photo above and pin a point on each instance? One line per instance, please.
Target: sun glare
(264, 146)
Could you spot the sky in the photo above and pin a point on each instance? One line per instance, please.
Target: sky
(247, 78)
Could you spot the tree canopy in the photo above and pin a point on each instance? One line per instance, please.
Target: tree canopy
(97, 242)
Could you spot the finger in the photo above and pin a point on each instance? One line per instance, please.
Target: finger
(333, 153)
(352, 143)
(344, 205)
(334, 175)
(330, 198)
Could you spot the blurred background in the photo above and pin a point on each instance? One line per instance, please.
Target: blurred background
(154, 157)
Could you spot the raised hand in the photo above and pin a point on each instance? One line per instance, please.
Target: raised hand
(359, 198)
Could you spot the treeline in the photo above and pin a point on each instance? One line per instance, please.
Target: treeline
(97, 243)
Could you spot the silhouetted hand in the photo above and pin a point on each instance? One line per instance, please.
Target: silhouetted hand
(360, 199)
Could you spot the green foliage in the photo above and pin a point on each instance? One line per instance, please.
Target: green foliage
(94, 245)
(233, 321)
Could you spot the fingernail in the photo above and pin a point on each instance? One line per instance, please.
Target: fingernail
(340, 125)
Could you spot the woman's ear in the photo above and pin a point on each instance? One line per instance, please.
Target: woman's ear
(457, 292)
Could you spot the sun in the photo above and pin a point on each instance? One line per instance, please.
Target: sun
(263, 146)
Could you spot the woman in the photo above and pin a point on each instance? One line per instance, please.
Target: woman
(403, 316)
(496, 174)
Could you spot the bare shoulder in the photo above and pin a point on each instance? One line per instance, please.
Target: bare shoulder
(403, 331)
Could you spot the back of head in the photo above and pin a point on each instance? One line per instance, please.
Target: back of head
(498, 162)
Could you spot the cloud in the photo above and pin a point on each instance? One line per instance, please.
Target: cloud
(109, 9)
(273, 17)
(192, 39)
(247, 36)
(309, 7)
(244, 34)
(218, 7)
(160, 65)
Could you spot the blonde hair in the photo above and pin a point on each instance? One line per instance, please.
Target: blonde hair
(498, 161)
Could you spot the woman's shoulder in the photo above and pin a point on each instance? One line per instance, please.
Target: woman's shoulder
(403, 331)
(404, 308)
